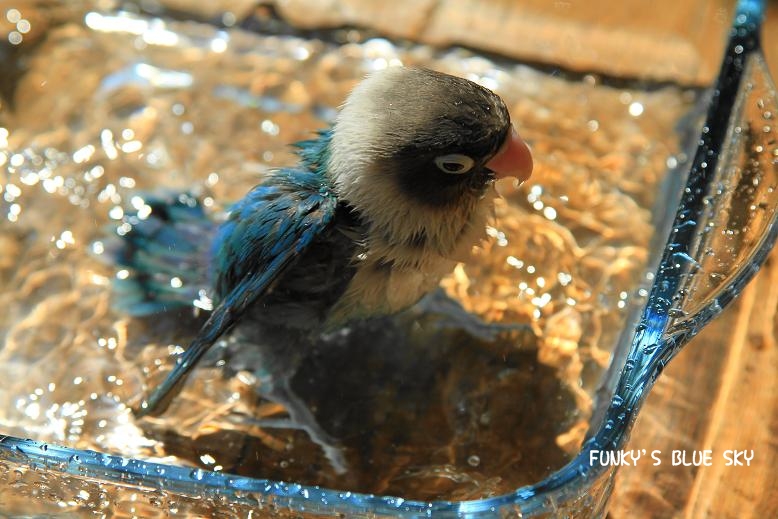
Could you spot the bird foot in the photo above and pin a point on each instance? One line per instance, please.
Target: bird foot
(300, 418)
(449, 314)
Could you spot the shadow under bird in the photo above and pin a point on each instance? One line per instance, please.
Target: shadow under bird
(379, 208)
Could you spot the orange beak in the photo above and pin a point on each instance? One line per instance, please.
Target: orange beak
(513, 159)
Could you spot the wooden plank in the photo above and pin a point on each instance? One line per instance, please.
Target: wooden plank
(664, 41)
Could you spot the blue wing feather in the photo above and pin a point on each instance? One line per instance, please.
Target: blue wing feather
(266, 232)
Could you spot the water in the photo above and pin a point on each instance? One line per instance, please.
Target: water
(111, 104)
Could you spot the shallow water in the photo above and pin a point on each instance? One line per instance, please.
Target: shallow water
(114, 104)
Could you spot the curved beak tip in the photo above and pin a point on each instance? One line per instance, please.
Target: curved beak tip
(514, 158)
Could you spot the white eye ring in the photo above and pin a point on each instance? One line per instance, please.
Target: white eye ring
(454, 164)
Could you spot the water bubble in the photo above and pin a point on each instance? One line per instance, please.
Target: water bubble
(229, 19)
(676, 312)
(473, 461)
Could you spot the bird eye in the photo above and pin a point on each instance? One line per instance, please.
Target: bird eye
(455, 163)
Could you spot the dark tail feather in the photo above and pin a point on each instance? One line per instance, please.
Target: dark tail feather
(163, 254)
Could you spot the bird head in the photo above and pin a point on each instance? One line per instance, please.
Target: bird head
(426, 136)
(414, 152)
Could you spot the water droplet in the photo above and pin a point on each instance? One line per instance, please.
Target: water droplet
(685, 226)
(676, 312)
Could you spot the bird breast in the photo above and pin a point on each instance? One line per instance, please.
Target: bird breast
(386, 284)
(397, 265)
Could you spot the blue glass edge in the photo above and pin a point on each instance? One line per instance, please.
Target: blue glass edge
(632, 388)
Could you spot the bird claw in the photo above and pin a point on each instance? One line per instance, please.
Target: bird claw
(300, 418)
(449, 314)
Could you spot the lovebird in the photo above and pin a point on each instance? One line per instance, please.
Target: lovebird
(379, 208)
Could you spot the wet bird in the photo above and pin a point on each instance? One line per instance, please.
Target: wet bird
(380, 207)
